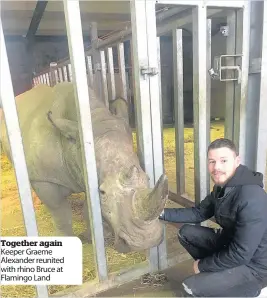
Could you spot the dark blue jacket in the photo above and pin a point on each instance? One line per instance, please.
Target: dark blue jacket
(240, 208)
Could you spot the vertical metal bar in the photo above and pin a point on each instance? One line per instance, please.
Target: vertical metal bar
(47, 79)
(41, 79)
(96, 59)
(70, 72)
(76, 49)
(65, 74)
(142, 98)
(53, 79)
(160, 98)
(243, 29)
(111, 74)
(262, 126)
(16, 147)
(57, 76)
(199, 100)
(156, 126)
(104, 77)
(177, 37)
(90, 71)
(208, 92)
(60, 75)
(162, 248)
(230, 86)
(44, 79)
(121, 62)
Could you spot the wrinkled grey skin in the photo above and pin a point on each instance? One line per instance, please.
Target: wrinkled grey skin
(49, 127)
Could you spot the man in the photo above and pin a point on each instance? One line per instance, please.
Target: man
(231, 261)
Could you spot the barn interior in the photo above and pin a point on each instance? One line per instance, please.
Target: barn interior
(35, 36)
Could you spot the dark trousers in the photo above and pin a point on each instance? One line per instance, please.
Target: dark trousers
(201, 242)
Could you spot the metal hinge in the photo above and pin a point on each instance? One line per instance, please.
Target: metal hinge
(219, 69)
(150, 71)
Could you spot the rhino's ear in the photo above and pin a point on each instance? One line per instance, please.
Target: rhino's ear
(67, 128)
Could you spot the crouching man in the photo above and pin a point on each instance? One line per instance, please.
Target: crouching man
(230, 261)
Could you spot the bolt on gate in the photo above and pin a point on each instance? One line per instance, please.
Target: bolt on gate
(147, 92)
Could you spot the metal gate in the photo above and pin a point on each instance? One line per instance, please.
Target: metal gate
(147, 90)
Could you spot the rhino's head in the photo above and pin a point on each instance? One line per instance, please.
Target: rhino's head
(132, 209)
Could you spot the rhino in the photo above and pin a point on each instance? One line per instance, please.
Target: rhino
(49, 127)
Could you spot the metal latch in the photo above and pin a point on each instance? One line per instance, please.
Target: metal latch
(220, 71)
(150, 71)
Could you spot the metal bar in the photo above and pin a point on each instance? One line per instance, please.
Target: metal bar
(65, 74)
(16, 147)
(90, 71)
(199, 15)
(262, 126)
(207, 3)
(156, 127)
(121, 62)
(177, 37)
(142, 98)
(48, 79)
(70, 72)
(96, 59)
(160, 97)
(111, 73)
(104, 77)
(75, 40)
(162, 249)
(240, 129)
(180, 22)
(230, 86)
(60, 74)
(208, 92)
(36, 18)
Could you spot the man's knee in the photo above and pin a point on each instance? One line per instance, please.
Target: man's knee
(186, 232)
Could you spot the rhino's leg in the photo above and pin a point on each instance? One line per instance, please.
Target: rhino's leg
(86, 236)
(55, 199)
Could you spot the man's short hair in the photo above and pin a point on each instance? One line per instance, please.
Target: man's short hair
(222, 143)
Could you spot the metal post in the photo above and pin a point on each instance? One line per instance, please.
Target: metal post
(60, 74)
(47, 79)
(254, 83)
(104, 77)
(90, 71)
(155, 104)
(76, 49)
(243, 36)
(262, 125)
(177, 37)
(65, 74)
(230, 85)
(142, 98)
(70, 72)
(121, 61)
(16, 147)
(96, 59)
(200, 105)
(111, 74)
(208, 92)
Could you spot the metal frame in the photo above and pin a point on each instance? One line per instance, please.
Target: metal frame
(262, 125)
(104, 77)
(199, 16)
(16, 148)
(178, 79)
(146, 54)
(75, 40)
(112, 86)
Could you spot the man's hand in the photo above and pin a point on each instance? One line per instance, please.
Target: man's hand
(195, 266)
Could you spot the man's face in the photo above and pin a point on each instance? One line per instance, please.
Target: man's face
(222, 163)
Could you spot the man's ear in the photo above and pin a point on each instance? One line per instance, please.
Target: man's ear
(68, 128)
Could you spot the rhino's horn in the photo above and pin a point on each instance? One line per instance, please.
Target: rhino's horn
(148, 204)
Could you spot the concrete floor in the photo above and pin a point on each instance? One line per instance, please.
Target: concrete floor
(171, 288)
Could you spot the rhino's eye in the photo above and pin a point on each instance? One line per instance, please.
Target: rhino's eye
(102, 192)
